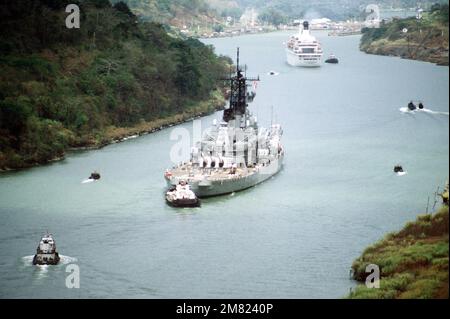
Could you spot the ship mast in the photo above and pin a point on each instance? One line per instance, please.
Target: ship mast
(239, 96)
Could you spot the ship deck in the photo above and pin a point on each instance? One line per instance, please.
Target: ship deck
(212, 174)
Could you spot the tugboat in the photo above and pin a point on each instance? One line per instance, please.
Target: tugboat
(182, 196)
(46, 252)
(332, 59)
(95, 176)
(234, 154)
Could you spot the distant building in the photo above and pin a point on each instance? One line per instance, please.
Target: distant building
(249, 18)
(320, 24)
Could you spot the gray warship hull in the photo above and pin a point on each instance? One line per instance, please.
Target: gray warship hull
(234, 154)
(233, 183)
(46, 259)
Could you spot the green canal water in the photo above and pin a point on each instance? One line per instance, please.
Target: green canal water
(294, 236)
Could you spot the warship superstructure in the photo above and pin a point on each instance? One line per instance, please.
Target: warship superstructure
(235, 153)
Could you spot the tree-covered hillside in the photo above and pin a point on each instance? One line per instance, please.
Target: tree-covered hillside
(206, 14)
(426, 39)
(176, 13)
(333, 9)
(63, 87)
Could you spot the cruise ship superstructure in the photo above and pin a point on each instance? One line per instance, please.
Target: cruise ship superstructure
(303, 49)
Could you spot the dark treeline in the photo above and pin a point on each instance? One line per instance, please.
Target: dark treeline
(63, 87)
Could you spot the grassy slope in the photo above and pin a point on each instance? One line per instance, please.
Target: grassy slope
(413, 262)
(426, 40)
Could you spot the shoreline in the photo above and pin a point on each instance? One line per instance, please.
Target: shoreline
(241, 34)
(413, 262)
(425, 40)
(403, 53)
(114, 135)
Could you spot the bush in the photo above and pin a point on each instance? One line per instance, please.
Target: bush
(413, 262)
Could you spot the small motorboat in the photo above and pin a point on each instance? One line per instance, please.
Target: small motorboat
(46, 252)
(421, 106)
(95, 176)
(412, 106)
(398, 169)
(182, 196)
(332, 59)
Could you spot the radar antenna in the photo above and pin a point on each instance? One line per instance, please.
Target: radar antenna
(239, 97)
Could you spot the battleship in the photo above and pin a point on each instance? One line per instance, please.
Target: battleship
(234, 154)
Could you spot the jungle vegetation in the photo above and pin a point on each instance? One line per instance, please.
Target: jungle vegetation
(63, 88)
(425, 39)
(413, 262)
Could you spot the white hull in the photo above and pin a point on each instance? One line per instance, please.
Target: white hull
(299, 61)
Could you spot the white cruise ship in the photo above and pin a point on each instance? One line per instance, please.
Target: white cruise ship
(303, 49)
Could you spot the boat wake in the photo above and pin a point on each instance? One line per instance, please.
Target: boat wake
(405, 110)
(400, 174)
(129, 137)
(434, 112)
(408, 111)
(88, 181)
(64, 260)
